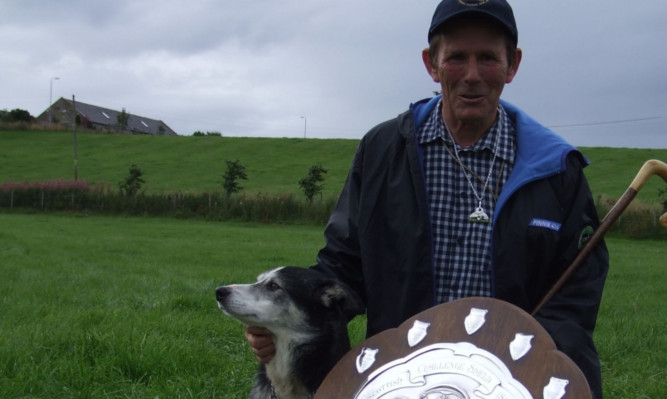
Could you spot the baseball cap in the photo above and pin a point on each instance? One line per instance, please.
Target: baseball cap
(499, 10)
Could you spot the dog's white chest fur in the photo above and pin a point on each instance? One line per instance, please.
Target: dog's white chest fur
(279, 370)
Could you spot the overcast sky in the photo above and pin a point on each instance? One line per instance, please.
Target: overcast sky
(595, 71)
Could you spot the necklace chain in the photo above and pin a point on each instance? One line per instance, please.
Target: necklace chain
(480, 197)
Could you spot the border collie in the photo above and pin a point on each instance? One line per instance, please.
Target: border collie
(307, 313)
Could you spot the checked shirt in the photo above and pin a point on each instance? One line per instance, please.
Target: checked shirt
(462, 249)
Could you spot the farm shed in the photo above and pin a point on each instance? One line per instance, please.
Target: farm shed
(89, 116)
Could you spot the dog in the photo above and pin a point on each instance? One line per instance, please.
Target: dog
(307, 312)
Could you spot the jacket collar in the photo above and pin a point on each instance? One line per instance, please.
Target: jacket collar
(540, 151)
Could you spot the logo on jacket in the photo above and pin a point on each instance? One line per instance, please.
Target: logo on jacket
(585, 235)
(545, 224)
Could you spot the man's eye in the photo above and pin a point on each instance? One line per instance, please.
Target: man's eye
(488, 58)
(455, 58)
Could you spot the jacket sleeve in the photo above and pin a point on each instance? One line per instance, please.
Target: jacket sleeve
(341, 256)
(570, 316)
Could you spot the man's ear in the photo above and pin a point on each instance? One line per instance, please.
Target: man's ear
(333, 294)
(514, 68)
(431, 68)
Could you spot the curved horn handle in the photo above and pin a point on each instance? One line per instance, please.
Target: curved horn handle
(650, 168)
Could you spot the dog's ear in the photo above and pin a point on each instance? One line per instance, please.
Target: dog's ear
(335, 294)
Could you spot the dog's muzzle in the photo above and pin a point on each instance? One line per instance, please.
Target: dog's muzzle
(221, 293)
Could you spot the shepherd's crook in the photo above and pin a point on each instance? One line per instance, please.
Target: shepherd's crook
(650, 168)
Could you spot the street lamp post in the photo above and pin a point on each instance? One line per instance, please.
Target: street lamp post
(51, 96)
(305, 125)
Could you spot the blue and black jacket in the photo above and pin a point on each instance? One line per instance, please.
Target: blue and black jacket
(378, 239)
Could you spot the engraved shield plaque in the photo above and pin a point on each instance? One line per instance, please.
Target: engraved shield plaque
(472, 348)
(460, 370)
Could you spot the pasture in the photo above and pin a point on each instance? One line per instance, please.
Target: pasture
(100, 307)
(274, 165)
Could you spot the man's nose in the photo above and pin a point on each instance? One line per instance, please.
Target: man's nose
(472, 74)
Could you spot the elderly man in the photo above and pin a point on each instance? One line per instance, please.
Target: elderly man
(466, 195)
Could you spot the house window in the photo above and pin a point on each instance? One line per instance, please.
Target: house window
(105, 114)
(145, 125)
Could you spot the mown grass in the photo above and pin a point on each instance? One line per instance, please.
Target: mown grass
(632, 322)
(196, 164)
(101, 307)
(173, 164)
(124, 307)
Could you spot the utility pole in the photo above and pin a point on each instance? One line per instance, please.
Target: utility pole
(305, 125)
(51, 96)
(76, 155)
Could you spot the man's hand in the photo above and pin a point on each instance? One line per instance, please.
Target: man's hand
(261, 343)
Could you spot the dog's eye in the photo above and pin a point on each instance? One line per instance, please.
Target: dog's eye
(273, 286)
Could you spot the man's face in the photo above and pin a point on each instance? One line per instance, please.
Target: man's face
(472, 68)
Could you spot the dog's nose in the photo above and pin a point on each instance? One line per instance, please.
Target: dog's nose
(222, 292)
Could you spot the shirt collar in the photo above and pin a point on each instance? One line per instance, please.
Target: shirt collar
(434, 129)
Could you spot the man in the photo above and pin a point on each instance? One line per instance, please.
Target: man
(466, 195)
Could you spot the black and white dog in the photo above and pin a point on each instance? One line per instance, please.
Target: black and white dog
(307, 312)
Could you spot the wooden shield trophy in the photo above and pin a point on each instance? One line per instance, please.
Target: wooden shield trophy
(464, 349)
(472, 348)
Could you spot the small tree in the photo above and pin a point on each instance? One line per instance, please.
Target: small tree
(123, 118)
(17, 115)
(132, 183)
(235, 171)
(311, 183)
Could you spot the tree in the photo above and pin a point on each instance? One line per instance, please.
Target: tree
(16, 115)
(311, 183)
(123, 118)
(132, 183)
(235, 171)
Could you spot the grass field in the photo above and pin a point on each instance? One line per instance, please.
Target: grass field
(196, 164)
(181, 164)
(95, 307)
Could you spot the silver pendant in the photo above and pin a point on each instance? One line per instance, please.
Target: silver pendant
(479, 216)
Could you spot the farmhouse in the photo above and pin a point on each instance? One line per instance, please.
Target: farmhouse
(89, 116)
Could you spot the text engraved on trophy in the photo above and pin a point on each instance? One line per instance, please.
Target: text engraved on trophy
(444, 370)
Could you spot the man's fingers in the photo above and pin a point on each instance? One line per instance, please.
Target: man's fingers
(261, 343)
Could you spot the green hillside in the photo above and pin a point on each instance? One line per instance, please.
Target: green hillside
(183, 163)
(196, 164)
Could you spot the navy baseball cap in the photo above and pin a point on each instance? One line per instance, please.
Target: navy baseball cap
(498, 10)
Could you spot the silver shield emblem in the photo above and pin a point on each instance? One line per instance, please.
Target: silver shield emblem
(520, 346)
(555, 389)
(417, 333)
(475, 320)
(366, 359)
